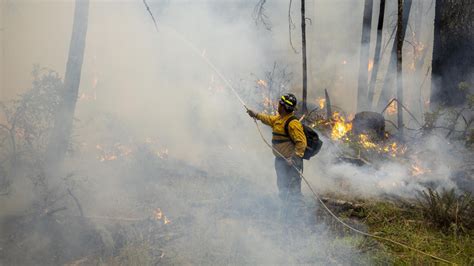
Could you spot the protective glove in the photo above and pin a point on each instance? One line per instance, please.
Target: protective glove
(252, 113)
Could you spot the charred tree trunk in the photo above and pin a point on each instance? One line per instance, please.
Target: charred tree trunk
(60, 136)
(399, 41)
(378, 46)
(328, 104)
(390, 77)
(362, 103)
(453, 51)
(305, 70)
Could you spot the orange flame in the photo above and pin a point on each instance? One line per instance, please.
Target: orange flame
(393, 149)
(158, 215)
(392, 108)
(119, 151)
(262, 83)
(371, 65)
(105, 155)
(341, 127)
(417, 170)
(321, 102)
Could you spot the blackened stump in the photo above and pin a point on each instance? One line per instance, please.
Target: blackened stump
(371, 123)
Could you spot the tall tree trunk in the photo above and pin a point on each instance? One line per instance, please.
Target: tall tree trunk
(362, 103)
(378, 46)
(418, 60)
(2, 41)
(60, 136)
(390, 76)
(399, 41)
(418, 18)
(453, 51)
(305, 70)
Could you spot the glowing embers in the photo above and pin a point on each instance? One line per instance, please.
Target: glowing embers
(416, 169)
(106, 155)
(160, 152)
(159, 216)
(364, 140)
(122, 151)
(394, 149)
(391, 148)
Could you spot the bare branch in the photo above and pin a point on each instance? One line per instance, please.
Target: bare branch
(151, 14)
(403, 106)
(291, 26)
(259, 15)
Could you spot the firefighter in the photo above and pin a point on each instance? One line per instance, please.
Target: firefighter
(288, 149)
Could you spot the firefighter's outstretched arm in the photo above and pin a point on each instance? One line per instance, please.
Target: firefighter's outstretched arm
(266, 119)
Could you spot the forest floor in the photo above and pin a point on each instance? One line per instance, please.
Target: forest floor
(403, 222)
(183, 215)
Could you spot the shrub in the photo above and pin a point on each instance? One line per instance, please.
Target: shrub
(447, 210)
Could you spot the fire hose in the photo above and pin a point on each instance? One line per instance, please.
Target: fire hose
(315, 195)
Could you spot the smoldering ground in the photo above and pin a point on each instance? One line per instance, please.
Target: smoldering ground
(158, 128)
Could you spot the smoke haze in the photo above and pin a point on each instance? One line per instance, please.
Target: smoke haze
(156, 127)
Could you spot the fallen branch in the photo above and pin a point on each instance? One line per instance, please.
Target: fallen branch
(344, 205)
(51, 212)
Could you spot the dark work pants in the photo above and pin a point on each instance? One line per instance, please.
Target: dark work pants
(289, 180)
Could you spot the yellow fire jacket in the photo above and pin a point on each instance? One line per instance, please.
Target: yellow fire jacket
(281, 143)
